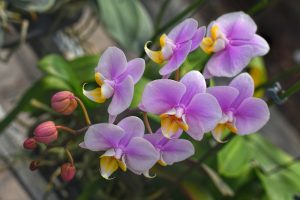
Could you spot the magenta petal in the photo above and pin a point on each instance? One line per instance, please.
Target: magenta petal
(202, 115)
(194, 83)
(140, 155)
(178, 57)
(183, 31)
(135, 69)
(133, 127)
(159, 96)
(245, 85)
(237, 26)
(225, 95)
(112, 63)
(122, 97)
(197, 38)
(251, 115)
(230, 61)
(155, 138)
(177, 150)
(100, 137)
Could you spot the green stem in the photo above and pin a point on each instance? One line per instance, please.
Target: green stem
(161, 13)
(86, 115)
(292, 90)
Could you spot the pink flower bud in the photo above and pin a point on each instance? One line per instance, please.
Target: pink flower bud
(29, 143)
(34, 165)
(67, 172)
(46, 132)
(64, 102)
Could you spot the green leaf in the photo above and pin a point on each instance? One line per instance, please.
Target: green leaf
(39, 88)
(195, 61)
(84, 67)
(34, 5)
(234, 158)
(138, 92)
(218, 181)
(127, 22)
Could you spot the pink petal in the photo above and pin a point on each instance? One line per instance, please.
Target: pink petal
(225, 95)
(135, 69)
(122, 97)
(197, 38)
(161, 95)
(202, 115)
(100, 137)
(183, 31)
(112, 63)
(252, 115)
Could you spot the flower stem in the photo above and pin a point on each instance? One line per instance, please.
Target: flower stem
(72, 131)
(86, 115)
(70, 157)
(147, 124)
(177, 74)
(292, 90)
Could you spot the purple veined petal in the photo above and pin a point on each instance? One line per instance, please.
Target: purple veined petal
(122, 96)
(112, 63)
(133, 127)
(154, 139)
(230, 61)
(100, 137)
(251, 115)
(237, 26)
(194, 83)
(245, 85)
(197, 38)
(177, 150)
(140, 155)
(202, 115)
(159, 96)
(183, 31)
(225, 95)
(178, 57)
(261, 47)
(135, 69)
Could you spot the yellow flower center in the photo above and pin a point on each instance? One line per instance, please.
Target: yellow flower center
(214, 42)
(109, 164)
(170, 124)
(99, 94)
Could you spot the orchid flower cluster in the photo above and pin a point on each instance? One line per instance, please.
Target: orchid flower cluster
(183, 106)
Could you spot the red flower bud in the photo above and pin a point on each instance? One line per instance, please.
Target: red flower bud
(46, 132)
(29, 143)
(67, 172)
(34, 165)
(64, 102)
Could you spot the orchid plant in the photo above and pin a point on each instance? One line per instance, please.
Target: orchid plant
(185, 104)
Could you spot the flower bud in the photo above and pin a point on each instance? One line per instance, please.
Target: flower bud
(34, 165)
(29, 143)
(46, 132)
(67, 172)
(64, 102)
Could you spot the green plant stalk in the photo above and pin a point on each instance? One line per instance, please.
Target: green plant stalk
(292, 90)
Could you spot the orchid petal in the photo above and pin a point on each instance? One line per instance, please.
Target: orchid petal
(184, 31)
(178, 57)
(245, 85)
(177, 150)
(94, 95)
(135, 69)
(197, 38)
(100, 137)
(112, 63)
(230, 61)
(237, 25)
(140, 155)
(251, 115)
(202, 115)
(225, 95)
(159, 96)
(194, 83)
(133, 127)
(108, 165)
(122, 96)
